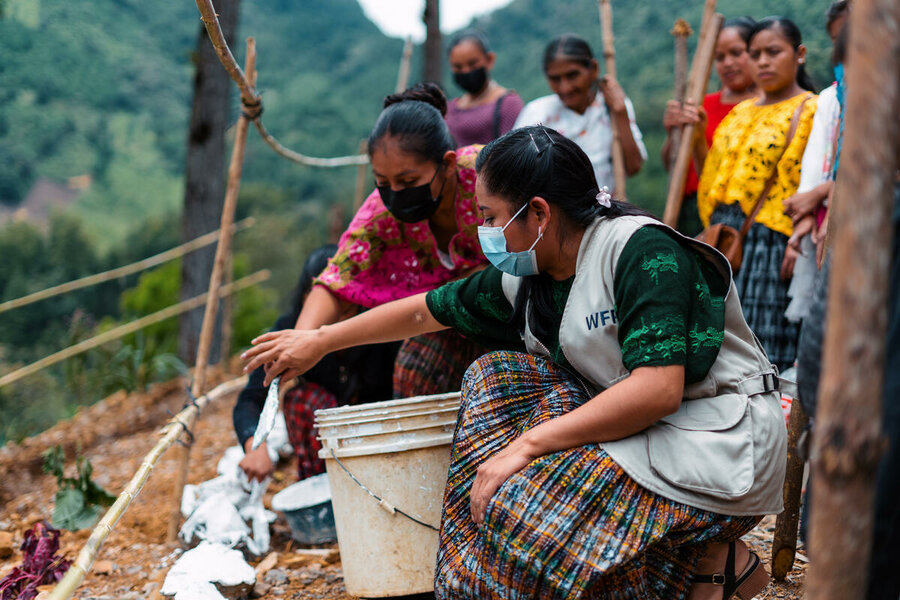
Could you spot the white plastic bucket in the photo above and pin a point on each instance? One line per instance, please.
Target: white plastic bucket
(399, 452)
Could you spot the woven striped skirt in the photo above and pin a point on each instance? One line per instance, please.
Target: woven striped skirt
(571, 524)
(433, 363)
(764, 296)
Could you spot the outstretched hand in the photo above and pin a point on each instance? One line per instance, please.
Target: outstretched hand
(289, 352)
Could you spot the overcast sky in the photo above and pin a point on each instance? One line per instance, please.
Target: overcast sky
(400, 18)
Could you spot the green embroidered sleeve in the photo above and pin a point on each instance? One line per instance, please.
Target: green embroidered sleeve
(476, 307)
(670, 304)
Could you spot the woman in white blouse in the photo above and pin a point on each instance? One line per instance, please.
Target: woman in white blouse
(579, 112)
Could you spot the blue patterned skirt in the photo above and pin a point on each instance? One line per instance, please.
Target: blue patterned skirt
(572, 524)
(764, 296)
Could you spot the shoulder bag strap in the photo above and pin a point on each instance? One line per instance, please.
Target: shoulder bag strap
(795, 122)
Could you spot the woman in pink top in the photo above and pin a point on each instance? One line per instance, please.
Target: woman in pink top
(416, 231)
(486, 110)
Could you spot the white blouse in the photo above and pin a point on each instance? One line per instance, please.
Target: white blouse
(591, 131)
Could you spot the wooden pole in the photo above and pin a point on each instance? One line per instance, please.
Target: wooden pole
(403, 71)
(126, 329)
(784, 545)
(215, 281)
(135, 267)
(227, 312)
(359, 195)
(65, 589)
(681, 31)
(434, 54)
(697, 82)
(609, 59)
(848, 438)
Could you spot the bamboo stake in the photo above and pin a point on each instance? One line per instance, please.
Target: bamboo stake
(609, 58)
(784, 544)
(699, 79)
(141, 265)
(227, 312)
(405, 65)
(360, 193)
(848, 441)
(250, 97)
(207, 329)
(123, 330)
(171, 431)
(681, 31)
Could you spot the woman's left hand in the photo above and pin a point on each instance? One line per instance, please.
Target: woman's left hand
(493, 472)
(613, 94)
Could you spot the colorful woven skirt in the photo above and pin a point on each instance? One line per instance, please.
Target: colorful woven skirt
(433, 363)
(764, 296)
(571, 524)
(300, 404)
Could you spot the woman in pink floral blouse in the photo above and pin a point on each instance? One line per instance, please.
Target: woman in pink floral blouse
(416, 231)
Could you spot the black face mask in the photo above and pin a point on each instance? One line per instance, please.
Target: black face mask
(473, 81)
(413, 204)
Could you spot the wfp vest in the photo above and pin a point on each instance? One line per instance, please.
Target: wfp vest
(725, 448)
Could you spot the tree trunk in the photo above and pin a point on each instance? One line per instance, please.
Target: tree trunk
(434, 59)
(205, 173)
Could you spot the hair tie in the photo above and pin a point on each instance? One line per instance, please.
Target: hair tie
(603, 197)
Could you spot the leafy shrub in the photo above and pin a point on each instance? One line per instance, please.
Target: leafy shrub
(79, 500)
(40, 565)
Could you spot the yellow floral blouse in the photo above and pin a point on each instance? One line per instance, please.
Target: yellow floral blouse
(747, 144)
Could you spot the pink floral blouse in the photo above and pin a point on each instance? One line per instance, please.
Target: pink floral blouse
(380, 259)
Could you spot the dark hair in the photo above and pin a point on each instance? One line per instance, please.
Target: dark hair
(839, 51)
(568, 47)
(836, 10)
(470, 34)
(424, 91)
(315, 263)
(538, 161)
(744, 25)
(791, 33)
(416, 118)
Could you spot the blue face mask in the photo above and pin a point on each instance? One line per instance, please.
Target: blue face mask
(493, 245)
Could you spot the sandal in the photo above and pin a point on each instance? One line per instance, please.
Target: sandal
(753, 580)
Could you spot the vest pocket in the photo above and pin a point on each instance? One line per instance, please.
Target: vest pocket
(706, 446)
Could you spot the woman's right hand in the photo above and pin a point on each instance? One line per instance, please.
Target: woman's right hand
(289, 352)
(256, 464)
(679, 114)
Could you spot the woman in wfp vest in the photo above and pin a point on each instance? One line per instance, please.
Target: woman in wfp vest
(625, 431)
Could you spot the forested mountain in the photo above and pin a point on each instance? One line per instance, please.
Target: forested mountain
(102, 87)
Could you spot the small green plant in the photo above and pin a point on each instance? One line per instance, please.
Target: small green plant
(79, 500)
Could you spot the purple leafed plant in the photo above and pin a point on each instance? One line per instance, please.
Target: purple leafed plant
(40, 565)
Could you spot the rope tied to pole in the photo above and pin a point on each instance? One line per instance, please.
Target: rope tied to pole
(253, 109)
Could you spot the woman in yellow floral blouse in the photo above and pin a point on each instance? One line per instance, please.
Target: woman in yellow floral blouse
(749, 145)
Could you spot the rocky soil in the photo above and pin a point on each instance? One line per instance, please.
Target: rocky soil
(115, 435)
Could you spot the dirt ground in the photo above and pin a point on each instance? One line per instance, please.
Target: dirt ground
(115, 435)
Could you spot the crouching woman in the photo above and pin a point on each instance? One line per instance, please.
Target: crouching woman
(627, 429)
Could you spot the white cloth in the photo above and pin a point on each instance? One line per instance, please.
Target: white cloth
(591, 131)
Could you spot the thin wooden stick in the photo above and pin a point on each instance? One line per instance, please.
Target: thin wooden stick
(609, 58)
(681, 31)
(65, 589)
(141, 265)
(123, 330)
(784, 544)
(848, 440)
(360, 193)
(207, 330)
(405, 66)
(251, 99)
(699, 79)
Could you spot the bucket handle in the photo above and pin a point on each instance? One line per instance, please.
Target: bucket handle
(381, 502)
